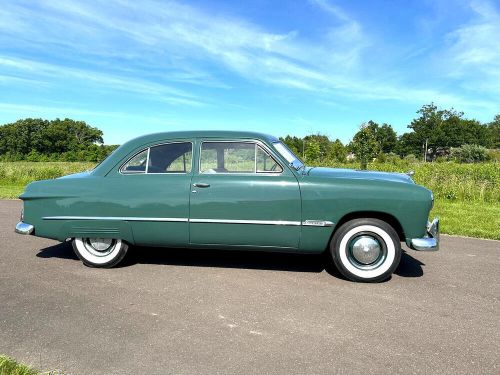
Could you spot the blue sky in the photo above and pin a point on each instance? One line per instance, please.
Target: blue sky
(297, 67)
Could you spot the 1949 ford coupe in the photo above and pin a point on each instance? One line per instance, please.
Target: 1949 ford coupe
(231, 190)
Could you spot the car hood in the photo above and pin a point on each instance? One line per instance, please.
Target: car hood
(357, 174)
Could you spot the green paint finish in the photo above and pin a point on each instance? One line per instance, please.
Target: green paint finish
(168, 210)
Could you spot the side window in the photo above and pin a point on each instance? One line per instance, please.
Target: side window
(137, 164)
(166, 158)
(227, 157)
(170, 158)
(266, 163)
(236, 157)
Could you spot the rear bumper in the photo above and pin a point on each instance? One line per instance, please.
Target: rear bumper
(24, 228)
(431, 241)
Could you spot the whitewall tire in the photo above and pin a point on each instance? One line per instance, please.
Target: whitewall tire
(366, 250)
(100, 252)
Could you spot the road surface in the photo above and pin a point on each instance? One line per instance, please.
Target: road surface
(172, 311)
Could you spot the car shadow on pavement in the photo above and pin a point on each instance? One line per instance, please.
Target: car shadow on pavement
(225, 259)
(62, 250)
(409, 266)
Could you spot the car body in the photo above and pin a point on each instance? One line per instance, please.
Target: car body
(228, 190)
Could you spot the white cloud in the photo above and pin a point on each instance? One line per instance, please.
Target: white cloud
(141, 46)
(98, 80)
(473, 50)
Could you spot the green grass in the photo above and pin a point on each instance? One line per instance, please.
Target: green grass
(449, 181)
(8, 366)
(467, 195)
(480, 220)
(14, 176)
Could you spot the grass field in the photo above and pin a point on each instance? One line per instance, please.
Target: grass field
(467, 195)
(8, 366)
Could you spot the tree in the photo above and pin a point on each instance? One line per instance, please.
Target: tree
(320, 140)
(385, 135)
(295, 144)
(337, 151)
(443, 129)
(494, 130)
(49, 139)
(313, 150)
(364, 145)
(406, 144)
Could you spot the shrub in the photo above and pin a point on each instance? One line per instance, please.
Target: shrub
(411, 158)
(469, 154)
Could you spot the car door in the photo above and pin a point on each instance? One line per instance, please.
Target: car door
(152, 193)
(242, 196)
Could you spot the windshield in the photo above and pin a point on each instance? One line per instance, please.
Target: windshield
(290, 157)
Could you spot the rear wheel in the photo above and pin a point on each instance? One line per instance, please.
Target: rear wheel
(366, 250)
(100, 252)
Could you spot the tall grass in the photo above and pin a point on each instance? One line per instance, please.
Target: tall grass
(22, 173)
(448, 180)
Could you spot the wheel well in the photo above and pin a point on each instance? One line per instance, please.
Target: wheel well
(388, 218)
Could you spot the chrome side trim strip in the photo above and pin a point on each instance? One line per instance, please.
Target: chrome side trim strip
(124, 218)
(317, 223)
(313, 223)
(259, 222)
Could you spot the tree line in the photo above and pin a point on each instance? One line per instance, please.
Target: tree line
(56, 140)
(435, 133)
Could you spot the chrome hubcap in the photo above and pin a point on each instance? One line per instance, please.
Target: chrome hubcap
(366, 250)
(99, 246)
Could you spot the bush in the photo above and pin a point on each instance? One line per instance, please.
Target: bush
(494, 155)
(411, 158)
(469, 154)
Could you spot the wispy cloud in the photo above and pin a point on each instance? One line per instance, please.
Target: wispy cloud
(58, 73)
(158, 30)
(161, 50)
(473, 54)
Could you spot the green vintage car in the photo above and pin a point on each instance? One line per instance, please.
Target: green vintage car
(231, 190)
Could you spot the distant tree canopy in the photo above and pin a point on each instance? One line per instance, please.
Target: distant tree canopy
(443, 129)
(38, 139)
(440, 129)
(365, 144)
(494, 129)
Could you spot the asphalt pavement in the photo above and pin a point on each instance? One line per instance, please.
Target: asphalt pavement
(175, 311)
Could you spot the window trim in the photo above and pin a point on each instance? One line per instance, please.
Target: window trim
(256, 143)
(120, 170)
(272, 157)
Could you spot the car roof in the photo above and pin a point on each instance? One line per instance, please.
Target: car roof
(203, 134)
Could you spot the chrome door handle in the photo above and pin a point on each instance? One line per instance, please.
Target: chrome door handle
(201, 185)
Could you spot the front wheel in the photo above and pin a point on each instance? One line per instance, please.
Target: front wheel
(366, 250)
(100, 252)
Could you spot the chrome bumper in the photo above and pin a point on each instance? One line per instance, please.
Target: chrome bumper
(431, 241)
(23, 228)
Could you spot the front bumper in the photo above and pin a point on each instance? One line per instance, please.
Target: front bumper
(24, 228)
(431, 241)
